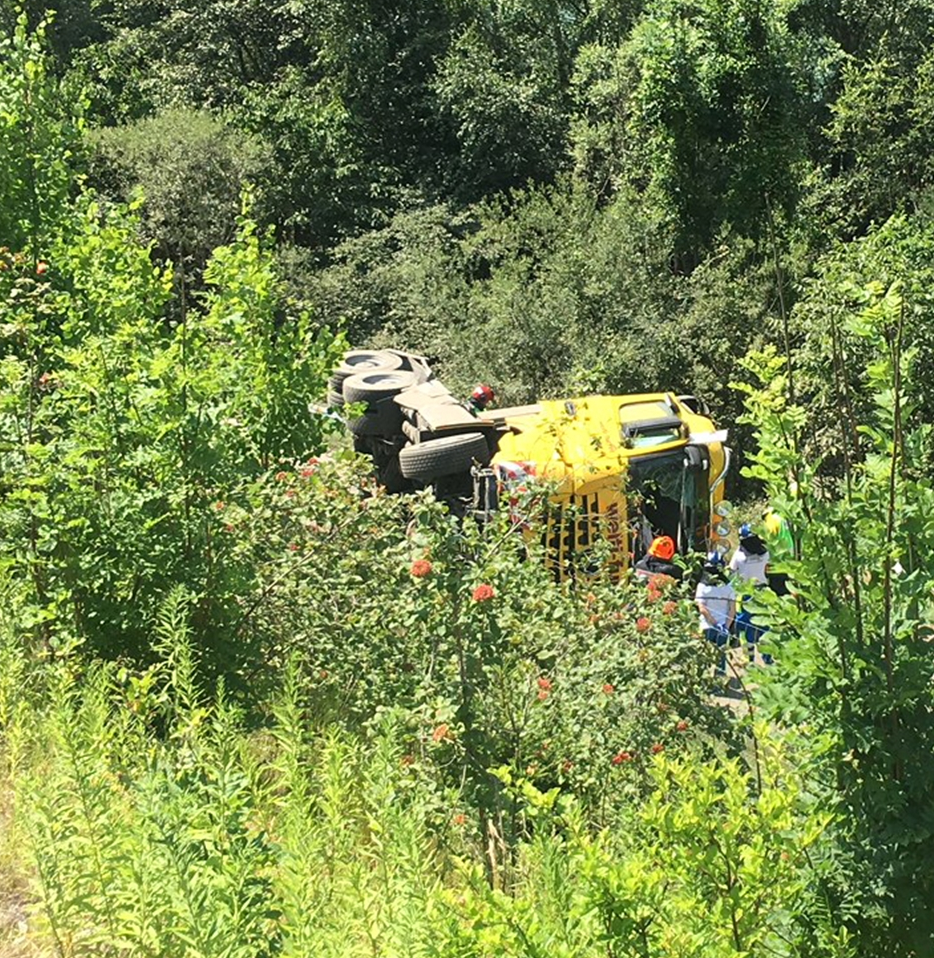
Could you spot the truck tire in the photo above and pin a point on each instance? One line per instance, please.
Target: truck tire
(358, 361)
(367, 361)
(382, 416)
(370, 387)
(444, 457)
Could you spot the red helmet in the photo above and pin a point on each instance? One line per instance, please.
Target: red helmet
(482, 395)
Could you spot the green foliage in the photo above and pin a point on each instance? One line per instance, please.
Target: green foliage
(40, 135)
(160, 827)
(893, 256)
(550, 681)
(190, 169)
(701, 112)
(216, 841)
(854, 637)
(503, 83)
(557, 197)
(876, 163)
(709, 866)
(121, 435)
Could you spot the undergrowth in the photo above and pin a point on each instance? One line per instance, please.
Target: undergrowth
(180, 827)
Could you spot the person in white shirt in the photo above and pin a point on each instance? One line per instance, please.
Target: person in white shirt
(750, 565)
(716, 602)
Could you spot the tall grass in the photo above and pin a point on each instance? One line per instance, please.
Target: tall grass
(164, 824)
(175, 830)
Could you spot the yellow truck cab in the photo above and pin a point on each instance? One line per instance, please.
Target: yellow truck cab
(620, 469)
(624, 468)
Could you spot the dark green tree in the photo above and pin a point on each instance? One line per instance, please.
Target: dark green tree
(700, 112)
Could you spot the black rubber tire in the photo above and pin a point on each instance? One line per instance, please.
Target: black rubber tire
(335, 399)
(367, 361)
(382, 416)
(444, 457)
(379, 419)
(380, 384)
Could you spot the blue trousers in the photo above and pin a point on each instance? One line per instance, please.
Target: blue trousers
(745, 626)
(721, 639)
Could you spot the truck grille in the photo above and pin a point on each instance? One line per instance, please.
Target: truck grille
(580, 531)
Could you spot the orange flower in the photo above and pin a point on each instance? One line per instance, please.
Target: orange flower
(483, 593)
(608, 688)
(42, 268)
(544, 683)
(459, 819)
(542, 695)
(621, 757)
(657, 747)
(420, 568)
(643, 624)
(219, 505)
(682, 726)
(441, 734)
(281, 476)
(669, 607)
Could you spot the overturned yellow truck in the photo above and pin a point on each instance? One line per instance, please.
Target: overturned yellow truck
(619, 469)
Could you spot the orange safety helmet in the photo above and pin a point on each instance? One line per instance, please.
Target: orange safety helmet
(662, 547)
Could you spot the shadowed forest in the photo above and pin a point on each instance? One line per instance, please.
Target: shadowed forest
(251, 704)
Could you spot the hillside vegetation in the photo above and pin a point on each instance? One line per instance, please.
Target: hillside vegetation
(252, 705)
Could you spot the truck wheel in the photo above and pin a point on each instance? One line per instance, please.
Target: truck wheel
(382, 416)
(359, 361)
(370, 387)
(443, 457)
(367, 361)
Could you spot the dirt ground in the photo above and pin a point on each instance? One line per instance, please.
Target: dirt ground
(741, 681)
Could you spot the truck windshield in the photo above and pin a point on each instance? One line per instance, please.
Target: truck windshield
(664, 495)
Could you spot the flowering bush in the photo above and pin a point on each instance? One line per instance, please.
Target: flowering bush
(552, 681)
(483, 593)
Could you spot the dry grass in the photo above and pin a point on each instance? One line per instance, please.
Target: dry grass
(15, 941)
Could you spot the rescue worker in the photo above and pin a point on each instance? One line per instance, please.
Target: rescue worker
(782, 547)
(715, 598)
(480, 398)
(750, 565)
(656, 564)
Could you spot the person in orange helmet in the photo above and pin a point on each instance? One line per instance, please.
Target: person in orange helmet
(657, 563)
